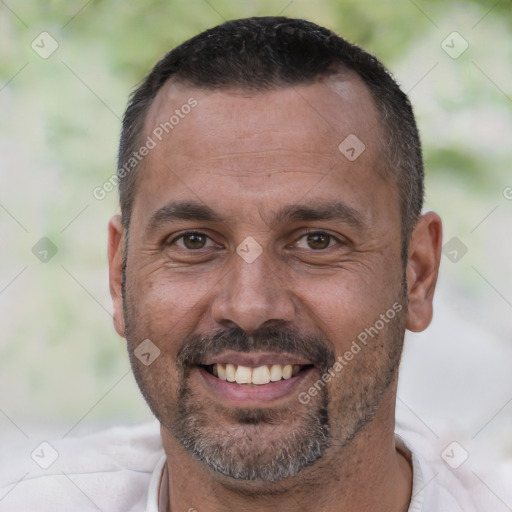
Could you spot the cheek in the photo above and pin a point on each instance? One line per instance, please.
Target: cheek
(344, 305)
(165, 305)
(160, 383)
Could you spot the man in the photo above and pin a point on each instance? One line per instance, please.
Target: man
(269, 255)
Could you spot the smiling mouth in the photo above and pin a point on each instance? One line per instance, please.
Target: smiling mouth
(258, 376)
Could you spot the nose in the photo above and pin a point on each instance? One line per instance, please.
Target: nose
(252, 296)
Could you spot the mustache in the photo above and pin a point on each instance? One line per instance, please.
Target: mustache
(196, 348)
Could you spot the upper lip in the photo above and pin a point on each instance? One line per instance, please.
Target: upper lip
(255, 359)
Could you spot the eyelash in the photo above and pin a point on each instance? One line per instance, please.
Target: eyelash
(182, 235)
(331, 237)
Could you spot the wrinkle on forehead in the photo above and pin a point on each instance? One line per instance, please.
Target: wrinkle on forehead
(253, 133)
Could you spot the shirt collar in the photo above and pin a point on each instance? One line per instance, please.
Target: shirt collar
(158, 493)
(418, 480)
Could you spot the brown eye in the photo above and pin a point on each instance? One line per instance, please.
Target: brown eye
(316, 241)
(192, 241)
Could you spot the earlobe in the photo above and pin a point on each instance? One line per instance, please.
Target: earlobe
(422, 270)
(115, 264)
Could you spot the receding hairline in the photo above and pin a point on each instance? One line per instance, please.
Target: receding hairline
(338, 73)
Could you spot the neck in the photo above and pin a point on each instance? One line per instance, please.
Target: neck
(367, 474)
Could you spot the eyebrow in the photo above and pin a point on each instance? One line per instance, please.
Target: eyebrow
(182, 210)
(192, 210)
(334, 210)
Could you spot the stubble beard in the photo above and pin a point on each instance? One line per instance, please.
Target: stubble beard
(247, 450)
(250, 450)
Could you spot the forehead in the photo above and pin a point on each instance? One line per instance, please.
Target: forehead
(290, 141)
(323, 112)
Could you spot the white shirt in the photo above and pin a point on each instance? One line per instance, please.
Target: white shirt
(123, 469)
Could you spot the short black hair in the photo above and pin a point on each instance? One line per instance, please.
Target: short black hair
(264, 53)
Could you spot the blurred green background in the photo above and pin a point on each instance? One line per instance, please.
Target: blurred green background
(61, 364)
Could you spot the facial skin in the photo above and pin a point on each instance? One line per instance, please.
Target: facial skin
(250, 159)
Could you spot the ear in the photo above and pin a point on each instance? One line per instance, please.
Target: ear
(422, 270)
(115, 265)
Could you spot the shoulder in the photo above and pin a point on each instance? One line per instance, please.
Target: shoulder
(449, 475)
(109, 470)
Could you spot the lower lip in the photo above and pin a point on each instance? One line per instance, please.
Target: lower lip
(252, 395)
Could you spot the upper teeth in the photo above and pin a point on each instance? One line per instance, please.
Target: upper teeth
(260, 375)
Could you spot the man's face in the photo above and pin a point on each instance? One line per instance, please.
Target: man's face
(259, 252)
